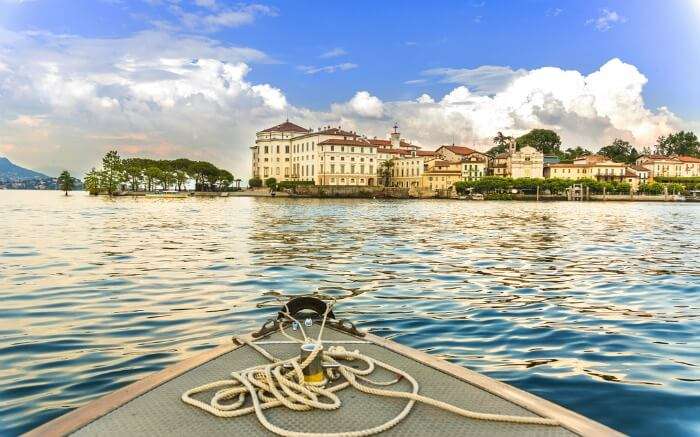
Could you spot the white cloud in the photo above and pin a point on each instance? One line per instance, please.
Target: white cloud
(333, 53)
(363, 104)
(606, 20)
(66, 100)
(345, 66)
(222, 18)
(586, 110)
(486, 79)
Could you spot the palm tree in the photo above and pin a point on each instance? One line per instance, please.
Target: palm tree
(386, 168)
(65, 182)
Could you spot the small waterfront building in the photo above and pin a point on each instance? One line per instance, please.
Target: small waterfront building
(409, 167)
(439, 174)
(526, 162)
(643, 173)
(690, 166)
(678, 166)
(661, 165)
(474, 167)
(589, 166)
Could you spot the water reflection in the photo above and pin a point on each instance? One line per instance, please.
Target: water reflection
(594, 306)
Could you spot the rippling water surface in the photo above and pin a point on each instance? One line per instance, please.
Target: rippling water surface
(595, 306)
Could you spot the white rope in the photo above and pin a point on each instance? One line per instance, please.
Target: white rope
(274, 384)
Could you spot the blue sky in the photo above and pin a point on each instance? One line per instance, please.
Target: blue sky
(320, 55)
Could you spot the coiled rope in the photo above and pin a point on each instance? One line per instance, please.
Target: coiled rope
(281, 382)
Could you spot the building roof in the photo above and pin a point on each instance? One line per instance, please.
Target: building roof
(684, 158)
(387, 150)
(629, 174)
(441, 163)
(357, 141)
(387, 143)
(287, 126)
(658, 158)
(425, 152)
(587, 165)
(328, 131)
(459, 150)
(593, 157)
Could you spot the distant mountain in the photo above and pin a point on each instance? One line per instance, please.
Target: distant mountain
(10, 171)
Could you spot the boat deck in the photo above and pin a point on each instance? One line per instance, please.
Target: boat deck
(153, 406)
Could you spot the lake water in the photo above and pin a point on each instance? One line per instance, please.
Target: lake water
(595, 306)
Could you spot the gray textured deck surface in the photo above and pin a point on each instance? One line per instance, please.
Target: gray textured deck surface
(161, 412)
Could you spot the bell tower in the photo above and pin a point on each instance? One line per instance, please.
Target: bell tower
(395, 137)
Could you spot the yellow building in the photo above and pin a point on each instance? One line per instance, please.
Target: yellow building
(440, 175)
(409, 168)
(671, 166)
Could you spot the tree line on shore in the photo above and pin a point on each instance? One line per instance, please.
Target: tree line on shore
(549, 143)
(143, 174)
(497, 184)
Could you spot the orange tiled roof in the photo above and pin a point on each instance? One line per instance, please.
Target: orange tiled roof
(358, 141)
(387, 143)
(684, 158)
(393, 151)
(460, 150)
(286, 127)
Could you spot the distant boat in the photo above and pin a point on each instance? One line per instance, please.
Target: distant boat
(169, 194)
(477, 196)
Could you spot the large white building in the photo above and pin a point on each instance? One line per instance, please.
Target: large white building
(327, 156)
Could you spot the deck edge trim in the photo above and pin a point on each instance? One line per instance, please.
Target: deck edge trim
(74, 420)
(568, 419)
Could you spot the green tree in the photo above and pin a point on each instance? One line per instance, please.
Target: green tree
(180, 179)
(66, 181)
(255, 182)
(152, 177)
(133, 172)
(572, 153)
(92, 182)
(501, 144)
(620, 151)
(225, 180)
(271, 183)
(680, 143)
(112, 172)
(385, 170)
(545, 140)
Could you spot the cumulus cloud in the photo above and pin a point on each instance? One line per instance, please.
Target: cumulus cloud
(486, 79)
(586, 110)
(363, 104)
(345, 66)
(606, 19)
(66, 100)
